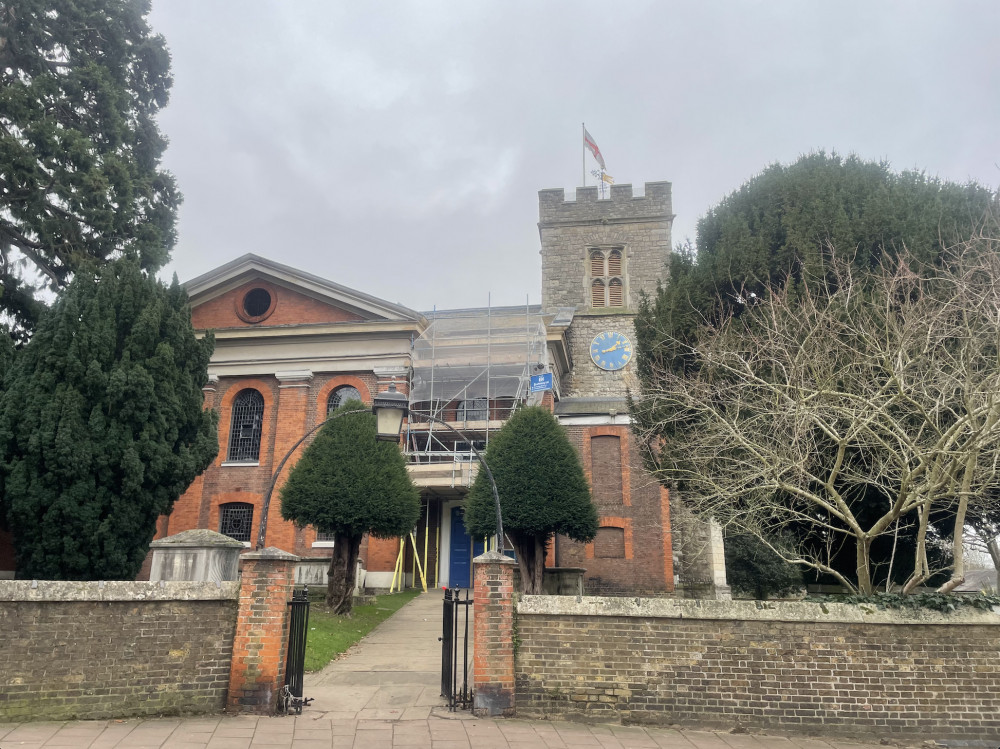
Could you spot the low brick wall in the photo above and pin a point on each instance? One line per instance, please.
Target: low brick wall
(114, 649)
(834, 669)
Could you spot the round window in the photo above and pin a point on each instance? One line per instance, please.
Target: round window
(257, 302)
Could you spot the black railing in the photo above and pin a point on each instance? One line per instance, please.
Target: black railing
(295, 664)
(455, 685)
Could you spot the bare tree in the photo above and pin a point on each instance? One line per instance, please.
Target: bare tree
(826, 393)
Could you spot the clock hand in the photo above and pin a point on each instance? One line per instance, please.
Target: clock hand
(610, 349)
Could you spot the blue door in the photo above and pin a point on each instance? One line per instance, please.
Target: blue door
(460, 566)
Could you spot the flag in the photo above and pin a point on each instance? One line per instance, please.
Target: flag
(589, 143)
(607, 178)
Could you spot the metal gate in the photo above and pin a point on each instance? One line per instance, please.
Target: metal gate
(455, 685)
(295, 663)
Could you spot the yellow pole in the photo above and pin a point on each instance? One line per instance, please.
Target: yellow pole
(427, 531)
(437, 554)
(397, 571)
(416, 558)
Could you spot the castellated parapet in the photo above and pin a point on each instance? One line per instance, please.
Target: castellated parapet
(656, 203)
(570, 229)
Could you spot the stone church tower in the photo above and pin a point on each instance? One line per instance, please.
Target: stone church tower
(598, 257)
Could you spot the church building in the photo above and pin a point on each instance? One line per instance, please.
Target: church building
(290, 347)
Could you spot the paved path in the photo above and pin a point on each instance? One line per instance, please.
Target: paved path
(382, 695)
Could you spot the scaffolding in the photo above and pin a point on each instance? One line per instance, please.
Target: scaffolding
(471, 368)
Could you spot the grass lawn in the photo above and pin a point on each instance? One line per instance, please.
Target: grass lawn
(330, 635)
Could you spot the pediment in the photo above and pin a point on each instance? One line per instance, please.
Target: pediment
(255, 291)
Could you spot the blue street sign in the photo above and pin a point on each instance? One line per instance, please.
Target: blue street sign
(541, 382)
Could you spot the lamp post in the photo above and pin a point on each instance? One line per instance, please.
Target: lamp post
(390, 408)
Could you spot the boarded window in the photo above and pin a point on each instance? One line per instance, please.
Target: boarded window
(597, 294)
(610, 543)
(245, 429)
(616, 298)
(606, 469)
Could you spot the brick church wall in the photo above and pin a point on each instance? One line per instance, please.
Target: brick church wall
(643, 561)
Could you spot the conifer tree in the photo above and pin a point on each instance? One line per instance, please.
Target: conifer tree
(102, 425)
(347, 483)
(80, 179)
(542, 490)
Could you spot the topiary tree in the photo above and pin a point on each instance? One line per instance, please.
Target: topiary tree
(80, 85)
(348, 484)
(542, 491)
(102, 425)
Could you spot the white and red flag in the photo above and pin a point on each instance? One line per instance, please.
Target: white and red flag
(588, 141)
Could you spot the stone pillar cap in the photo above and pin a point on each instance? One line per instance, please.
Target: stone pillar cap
(272, 553)
(197, 537)
(493, 557)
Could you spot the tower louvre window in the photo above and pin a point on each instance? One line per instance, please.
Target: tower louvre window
(596, 264)
(615, 263)
(615, 293)
(597, 296)
(607, 277)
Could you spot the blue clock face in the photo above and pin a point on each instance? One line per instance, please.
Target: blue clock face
(611, 350)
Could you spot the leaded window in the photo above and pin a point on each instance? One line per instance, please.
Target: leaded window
(245, 429)
(236, 520)
(473, 409)
(340, 396)
(328, 536)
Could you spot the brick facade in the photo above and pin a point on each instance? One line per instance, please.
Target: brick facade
(290, 409)
(91, 650)
(642, 512)
(833, 669)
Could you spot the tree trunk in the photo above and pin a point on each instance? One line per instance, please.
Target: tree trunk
(341, 577)
(863, 545)
(530, 561)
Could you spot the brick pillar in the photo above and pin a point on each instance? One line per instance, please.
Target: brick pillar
(257, 672)
(493, 631)
(293, 418)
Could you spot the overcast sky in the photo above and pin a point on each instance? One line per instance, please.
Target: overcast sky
(398, 148)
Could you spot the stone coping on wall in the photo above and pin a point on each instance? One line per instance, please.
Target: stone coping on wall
(53, 591)
(778, 611)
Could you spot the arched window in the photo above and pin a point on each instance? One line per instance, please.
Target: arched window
(615, 263)
(596, 264)
(244, 431)
(236, 520)
(597, 297)
(616, 295)
(340, 396)
(607, 277)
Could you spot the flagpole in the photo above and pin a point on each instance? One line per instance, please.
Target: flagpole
(583, 150)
